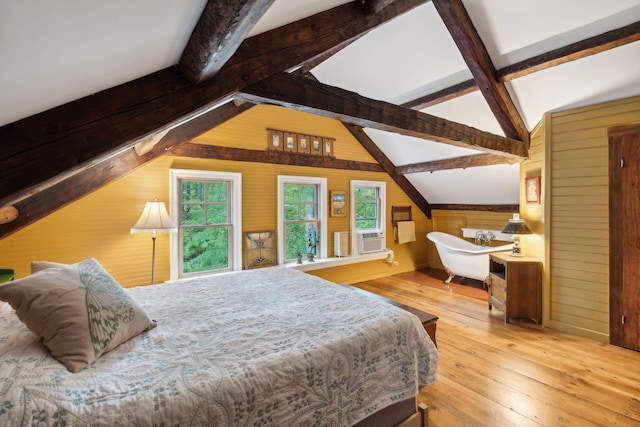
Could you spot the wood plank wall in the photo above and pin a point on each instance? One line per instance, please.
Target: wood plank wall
(98, 224)
(578, 221)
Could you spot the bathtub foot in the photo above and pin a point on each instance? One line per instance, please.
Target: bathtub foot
(451, 275)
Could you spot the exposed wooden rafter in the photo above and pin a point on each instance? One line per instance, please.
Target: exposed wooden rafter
(299, 93)
(203, 151)
(53, 197)
(222, 27)
(591, 46)
(384, 161)
(463, 162)
(379, 156)
(36, 149)
(474, 52)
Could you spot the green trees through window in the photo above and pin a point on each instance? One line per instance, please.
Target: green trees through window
(366, 207)
(301, 220)
(205, 226)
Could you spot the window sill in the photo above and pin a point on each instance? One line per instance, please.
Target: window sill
(319, 264)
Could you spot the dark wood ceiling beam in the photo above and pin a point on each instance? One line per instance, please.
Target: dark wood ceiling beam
(443, 95)
(299, 93)
(374, 6)
(456, 163)
(481, 208)
(204, 151)
(222, 27)
(591, 46)
(70, 137)
(582, 49)
(89, 179)
(375, 152)
(474, 52)
(386, 163)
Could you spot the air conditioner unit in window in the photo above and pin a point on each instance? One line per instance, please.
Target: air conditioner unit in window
(368, 242)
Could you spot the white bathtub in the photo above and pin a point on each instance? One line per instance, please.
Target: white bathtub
(463, 258)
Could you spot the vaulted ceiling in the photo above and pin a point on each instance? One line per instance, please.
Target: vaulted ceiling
(443, 93)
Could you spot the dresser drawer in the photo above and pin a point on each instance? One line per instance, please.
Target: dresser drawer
(498, 289)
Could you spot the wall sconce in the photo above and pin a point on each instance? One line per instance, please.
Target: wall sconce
(516, 226)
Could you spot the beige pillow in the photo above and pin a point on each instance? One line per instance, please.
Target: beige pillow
(43, 265)
(79, 311)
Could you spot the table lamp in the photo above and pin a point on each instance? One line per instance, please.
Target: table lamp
(516, 226)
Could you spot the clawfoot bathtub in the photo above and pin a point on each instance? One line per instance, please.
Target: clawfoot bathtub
(463, 258)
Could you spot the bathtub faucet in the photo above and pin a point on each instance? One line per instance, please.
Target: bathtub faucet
(482, 237)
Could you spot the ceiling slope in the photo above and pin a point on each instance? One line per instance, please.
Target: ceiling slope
(379, 58)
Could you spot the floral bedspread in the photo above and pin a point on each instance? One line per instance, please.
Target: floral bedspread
(267, 347)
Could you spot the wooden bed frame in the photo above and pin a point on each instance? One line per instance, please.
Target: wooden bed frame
(419, 419)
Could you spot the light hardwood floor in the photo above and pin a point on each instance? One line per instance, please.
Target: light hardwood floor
(496, 374)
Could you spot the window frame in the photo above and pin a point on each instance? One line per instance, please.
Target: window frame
(382, 218)
(235, 216)
(323, 206)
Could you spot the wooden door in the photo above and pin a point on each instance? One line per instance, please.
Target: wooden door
(624, 195)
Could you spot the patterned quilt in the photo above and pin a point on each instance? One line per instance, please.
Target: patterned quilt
(267, 347)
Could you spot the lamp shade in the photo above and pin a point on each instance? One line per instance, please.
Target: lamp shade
(517, 226)
(154, 219)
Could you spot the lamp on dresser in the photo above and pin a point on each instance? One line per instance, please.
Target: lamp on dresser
(154, 220)
(517, 227)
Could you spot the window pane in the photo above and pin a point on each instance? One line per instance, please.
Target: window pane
(310, 211)
(205, 249)
(295, 240)
(291, 193)
(192, 191)
(217, 214)
(370, 210)
(192, 215)
(308, 193)
(217, 192)
(366, 208)
(291, 212)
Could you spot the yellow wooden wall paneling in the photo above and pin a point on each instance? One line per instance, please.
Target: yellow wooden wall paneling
(99, 224)
(579, 217)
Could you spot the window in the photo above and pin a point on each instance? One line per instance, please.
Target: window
(207, 208)
(302, 215)
(367, 213)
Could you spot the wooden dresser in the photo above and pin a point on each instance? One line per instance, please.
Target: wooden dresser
(515, 286)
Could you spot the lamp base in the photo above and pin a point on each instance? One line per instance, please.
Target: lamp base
(516, 251)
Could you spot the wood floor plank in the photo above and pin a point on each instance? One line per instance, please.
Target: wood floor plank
(492, 373)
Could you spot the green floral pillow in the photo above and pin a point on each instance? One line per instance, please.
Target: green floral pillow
(79, 311)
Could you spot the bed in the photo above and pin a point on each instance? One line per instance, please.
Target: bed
(272, 346)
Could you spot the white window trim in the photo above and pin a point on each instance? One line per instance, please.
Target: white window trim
(236, 212)
(322, 207)
(382, 187)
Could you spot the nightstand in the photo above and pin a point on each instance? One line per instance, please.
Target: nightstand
(515, 286)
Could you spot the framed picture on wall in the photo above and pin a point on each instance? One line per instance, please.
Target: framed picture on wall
(304, 145)
(290, 142)
(327, 147)
(532, 190)
(275, 140)
(259, 249)
(338, 203)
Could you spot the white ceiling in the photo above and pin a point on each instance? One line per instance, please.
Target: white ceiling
(55, 52)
